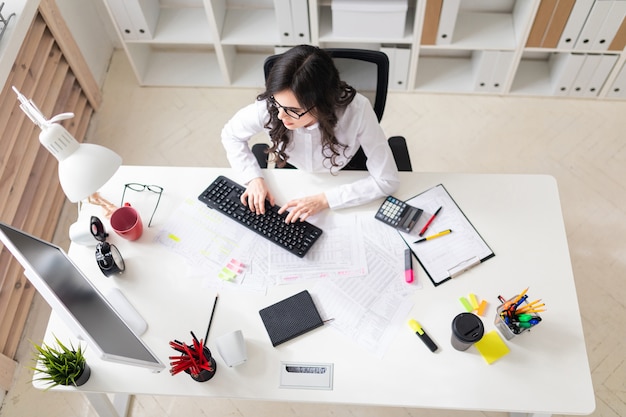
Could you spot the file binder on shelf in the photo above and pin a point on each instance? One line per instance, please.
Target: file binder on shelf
(145, 15)
(619, 41)
(432, 14)
(611, 25)
(283, 20)
(564, 68)
(541, 23)
(491, 69)
(588, 67)
(447, 21)
(300, 19)
(575, 23)
(292, 17)
(549, 23)
(136, 19)
(483, 63)
(618, 88)
(121, 17)
(600, 75)
(399, 62)
(593, 24)
(448, 256)
(557, 24)
(501, 71)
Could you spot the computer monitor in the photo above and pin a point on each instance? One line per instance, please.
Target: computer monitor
(77, 301)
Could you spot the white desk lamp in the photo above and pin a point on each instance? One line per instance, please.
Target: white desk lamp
(83, 167)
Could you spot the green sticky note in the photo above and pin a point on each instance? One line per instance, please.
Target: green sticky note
(492, 347)
(466, 304)
(226, 274)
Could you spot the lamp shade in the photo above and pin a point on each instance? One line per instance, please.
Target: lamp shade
(83, 167)
(87, 169)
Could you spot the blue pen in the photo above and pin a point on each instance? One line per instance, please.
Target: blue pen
(521, 300)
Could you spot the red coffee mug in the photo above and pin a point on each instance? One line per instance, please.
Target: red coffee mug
(126, 222)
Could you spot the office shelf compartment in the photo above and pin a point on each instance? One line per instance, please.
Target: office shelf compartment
(187, 25)
(476, 30)
(325, 28)
(249, 26)
(245, 64)
(445, 71)
(500, 24)
(533, 75)
(163, 65)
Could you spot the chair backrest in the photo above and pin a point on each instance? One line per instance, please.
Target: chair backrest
(367, 71)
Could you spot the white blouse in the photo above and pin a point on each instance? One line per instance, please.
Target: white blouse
(357, 126)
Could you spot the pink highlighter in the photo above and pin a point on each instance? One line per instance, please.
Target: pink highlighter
(408, 266)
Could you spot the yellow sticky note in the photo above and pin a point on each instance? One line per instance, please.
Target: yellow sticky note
(473, 301)
(492, 347)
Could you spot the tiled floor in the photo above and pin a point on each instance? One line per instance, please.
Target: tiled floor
(581, 143)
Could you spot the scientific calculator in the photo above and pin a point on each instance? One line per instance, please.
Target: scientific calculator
(398, 214)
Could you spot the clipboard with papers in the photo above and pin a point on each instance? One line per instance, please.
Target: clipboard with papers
(448, 256)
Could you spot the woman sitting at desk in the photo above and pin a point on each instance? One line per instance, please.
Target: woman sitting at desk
(316, 122)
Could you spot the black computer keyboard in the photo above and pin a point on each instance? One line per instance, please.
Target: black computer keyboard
(224, 195)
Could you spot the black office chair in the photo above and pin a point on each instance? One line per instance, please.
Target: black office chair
(368, 72)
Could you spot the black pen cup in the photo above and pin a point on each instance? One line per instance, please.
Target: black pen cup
(506, 321)
(467, 329)
(204, 374)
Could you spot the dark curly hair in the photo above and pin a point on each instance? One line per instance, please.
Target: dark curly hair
(309, 72)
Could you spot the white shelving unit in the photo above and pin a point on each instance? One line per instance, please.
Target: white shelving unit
(224, 43)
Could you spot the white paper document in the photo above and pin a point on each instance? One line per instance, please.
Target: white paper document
(339, 252)
(370, 309)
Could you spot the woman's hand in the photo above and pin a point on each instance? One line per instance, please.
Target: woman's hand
(302, 208)
(255, 194)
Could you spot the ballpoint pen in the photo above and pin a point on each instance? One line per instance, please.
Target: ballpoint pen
(429, 221)
(442, 233)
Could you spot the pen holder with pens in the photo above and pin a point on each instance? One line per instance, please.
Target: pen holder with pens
(517, 315)
(194, 359)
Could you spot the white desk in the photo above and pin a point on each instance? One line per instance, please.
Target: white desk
(519, 216)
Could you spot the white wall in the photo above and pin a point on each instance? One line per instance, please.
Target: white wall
(93, 31)
(87, 20)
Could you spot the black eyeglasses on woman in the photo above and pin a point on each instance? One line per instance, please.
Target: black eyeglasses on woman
(289, 111)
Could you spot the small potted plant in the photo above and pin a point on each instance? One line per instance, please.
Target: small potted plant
(61, 365)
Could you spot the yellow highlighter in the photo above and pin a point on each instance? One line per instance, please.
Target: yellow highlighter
(436, 235)
(422, 335)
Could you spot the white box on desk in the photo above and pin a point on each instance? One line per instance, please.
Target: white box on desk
(369, 18)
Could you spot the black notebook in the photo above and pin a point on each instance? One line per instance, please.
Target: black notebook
(290, 317)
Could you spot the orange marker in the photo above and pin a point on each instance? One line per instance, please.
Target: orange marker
(482, 307)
